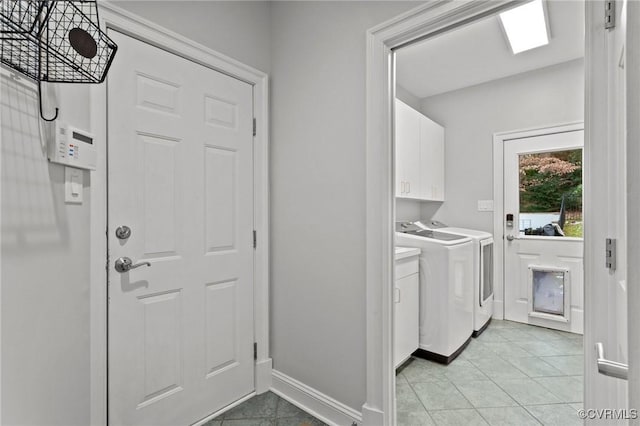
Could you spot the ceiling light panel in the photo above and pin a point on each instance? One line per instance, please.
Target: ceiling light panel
(525, 26)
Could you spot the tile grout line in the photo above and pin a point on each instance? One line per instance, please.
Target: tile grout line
(532, 378)
(419, 400)
(470, 403)
(515, 400)
(498, 386)
(491, 379)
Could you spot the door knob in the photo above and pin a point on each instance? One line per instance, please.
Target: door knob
(125, 264)
(510, 238)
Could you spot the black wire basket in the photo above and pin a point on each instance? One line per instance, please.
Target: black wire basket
(55, 41)
(19, 17)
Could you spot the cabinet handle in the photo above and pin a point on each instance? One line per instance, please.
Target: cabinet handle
(396, 295)
(409, 187)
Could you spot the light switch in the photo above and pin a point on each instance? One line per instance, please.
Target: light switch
(485, 205)
(73, 185)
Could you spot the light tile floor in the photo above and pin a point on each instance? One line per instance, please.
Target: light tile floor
(267, 409)
(512, 374)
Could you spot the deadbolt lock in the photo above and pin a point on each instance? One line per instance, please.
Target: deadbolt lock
(123, 232)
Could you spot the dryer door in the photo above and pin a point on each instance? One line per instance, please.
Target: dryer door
(486, 271)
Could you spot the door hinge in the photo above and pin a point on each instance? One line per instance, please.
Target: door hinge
(255, 238)
(255, 127)
(610, 255)
(255, 350)
(610, 14)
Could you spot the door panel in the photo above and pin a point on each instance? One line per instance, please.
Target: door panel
(220, 166)
(180, 176)
(618, 348)
(222, 351)
(160, 219)
(161, 321)
(632, 91)
(525, 254)
(606, 289)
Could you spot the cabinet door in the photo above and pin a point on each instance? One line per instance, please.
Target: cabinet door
(407, 133)
(431, 160)
(406, 318)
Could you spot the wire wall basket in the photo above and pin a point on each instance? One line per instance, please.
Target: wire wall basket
(55, 41)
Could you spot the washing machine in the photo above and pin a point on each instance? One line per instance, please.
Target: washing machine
(446, 290)
(482, 271)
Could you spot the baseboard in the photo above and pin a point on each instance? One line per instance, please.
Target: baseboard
(263, 375)
(372, 416)
(319, 405)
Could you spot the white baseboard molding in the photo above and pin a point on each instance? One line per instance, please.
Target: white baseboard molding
(372, 416)
(316, 403)
(263, 375)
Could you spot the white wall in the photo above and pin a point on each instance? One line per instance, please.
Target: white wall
(317, 59)
(239, 29)
(318, 192)
(45, 243)
(407, 210)
(553, 95)
(408, 98)
(45, 272)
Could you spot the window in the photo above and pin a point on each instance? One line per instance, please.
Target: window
(551, 193)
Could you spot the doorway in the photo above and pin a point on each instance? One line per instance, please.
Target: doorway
(516, 368)
(425, 22)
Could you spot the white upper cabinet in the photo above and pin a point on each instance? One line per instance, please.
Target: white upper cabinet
(419, 155)
(431, 160)
(407, 151)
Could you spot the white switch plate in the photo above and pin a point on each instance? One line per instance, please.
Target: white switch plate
(73, 185)
(485, 205)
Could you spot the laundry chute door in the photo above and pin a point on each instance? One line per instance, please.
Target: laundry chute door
(180, 179)
(605, 217)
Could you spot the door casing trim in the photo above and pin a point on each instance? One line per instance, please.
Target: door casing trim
(422, 22)
(499, 139)
(113, 17)
(419, 23)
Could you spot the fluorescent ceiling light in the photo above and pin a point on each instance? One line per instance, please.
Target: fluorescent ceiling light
(525, 26)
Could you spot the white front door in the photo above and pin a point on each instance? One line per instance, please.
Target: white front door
(543, 270)
(180, 178)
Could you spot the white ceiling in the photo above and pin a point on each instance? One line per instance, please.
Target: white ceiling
(479, 53)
